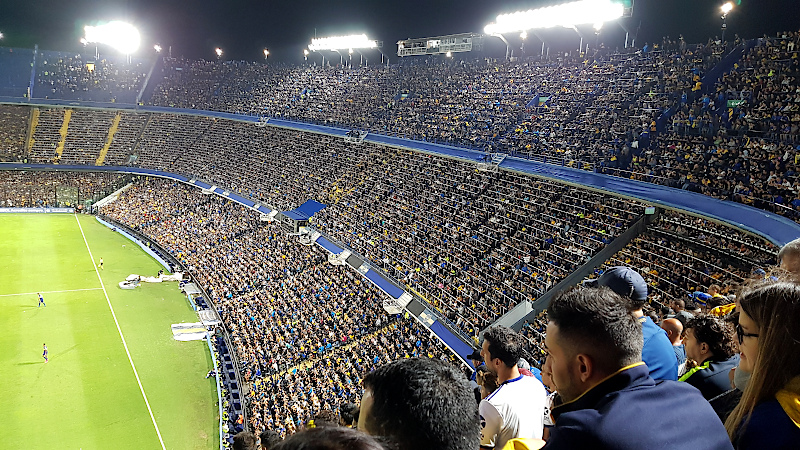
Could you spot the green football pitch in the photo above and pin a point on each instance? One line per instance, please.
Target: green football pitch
(89, 396)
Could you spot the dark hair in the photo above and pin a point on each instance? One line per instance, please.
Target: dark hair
(324, 418)
(346, 413)
(422, 403)
(680, 302)
(715, 332)
(330, 438)
(244, 440)
(269, 439)
(597, 322)
(504, 343)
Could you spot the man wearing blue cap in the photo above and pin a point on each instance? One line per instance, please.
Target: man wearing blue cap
(657, 352)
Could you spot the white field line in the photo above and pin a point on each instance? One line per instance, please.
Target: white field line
(124, 344)
(50, 292)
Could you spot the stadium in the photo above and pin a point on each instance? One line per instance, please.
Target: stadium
(225, 248)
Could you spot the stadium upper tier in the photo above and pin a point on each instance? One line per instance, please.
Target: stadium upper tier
(721, 120)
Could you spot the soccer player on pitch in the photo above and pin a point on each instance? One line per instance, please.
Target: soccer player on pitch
(41, 300)
(44, 353)
(101, 264)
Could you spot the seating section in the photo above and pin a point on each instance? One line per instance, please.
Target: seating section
(13, 130)
(290, 314)
(29, 189)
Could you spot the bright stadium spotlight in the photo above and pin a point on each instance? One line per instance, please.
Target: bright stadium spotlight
(157, 48)
(726, 8)
(342, 42)
(523, 35)
(218, 51)
(120, 36)
(566, 15)
(266, 53)
(1, 35)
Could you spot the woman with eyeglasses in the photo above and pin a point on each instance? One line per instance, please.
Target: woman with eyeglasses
(768, 415)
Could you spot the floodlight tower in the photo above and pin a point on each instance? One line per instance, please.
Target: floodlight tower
(157, 48)
(726, 9)
(218, 52)
(1, 35)
(266, 54)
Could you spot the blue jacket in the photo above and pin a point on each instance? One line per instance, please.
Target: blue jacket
(631, 411)
(712, 377)
(657, 351)
(769, 428)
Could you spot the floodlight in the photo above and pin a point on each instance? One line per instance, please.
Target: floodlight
(598, 26)
(726, 8)
(118, 35)
(305, 52)
(218, 51)
(266, 53)
(566, 15)
(1, 35)
(342, 42)
(157, 48)
(350, 51)
(449, 54)
(523, 35)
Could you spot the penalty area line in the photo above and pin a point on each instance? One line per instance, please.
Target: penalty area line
(124, 344)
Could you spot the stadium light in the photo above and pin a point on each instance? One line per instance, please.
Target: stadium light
(1, 35)
(266, 53)
(566, 15)
(218, 51)
(120, 36)
(342, 42)
(726, 8)
(157, 48)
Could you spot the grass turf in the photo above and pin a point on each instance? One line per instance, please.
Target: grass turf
(86, 396)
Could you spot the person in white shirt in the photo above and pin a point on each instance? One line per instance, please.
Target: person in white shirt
(516, 408)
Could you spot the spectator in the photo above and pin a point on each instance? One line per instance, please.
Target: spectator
(269, 439)
(594, 346)
(330, 438)
(768, 414)
(679, 307)
(709, 344)
(420, 403)
(789, 257)
(516, 408)
(324, 418)
(657, 351)
(245, 440)
(487, 382)
(674, 329)
(346, 415)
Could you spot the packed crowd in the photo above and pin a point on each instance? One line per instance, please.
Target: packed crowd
(290, 314)
(84, 77)
(13, 126)
(31, 189)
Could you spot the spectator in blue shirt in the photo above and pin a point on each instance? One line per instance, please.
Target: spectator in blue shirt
(657, 352)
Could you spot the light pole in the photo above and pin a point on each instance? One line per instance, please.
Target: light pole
(726, 8)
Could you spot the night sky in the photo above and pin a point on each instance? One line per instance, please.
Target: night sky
(243, 28)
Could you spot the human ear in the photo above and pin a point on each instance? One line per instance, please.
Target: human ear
(584, 367)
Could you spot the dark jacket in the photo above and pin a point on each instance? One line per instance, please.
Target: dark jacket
(712, 377)
(631, 411)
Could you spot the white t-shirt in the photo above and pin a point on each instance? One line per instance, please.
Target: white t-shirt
(514, 410)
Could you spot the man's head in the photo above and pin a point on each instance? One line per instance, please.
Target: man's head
(476, 358)
(789, 257)
(674, 329)
(420, 403)
(708, 338)
(502, 348)
(590, 335)
(269, 439)
(626, 282)
(678, 305)
(244, 440)
(346, 414)
(714, 289)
